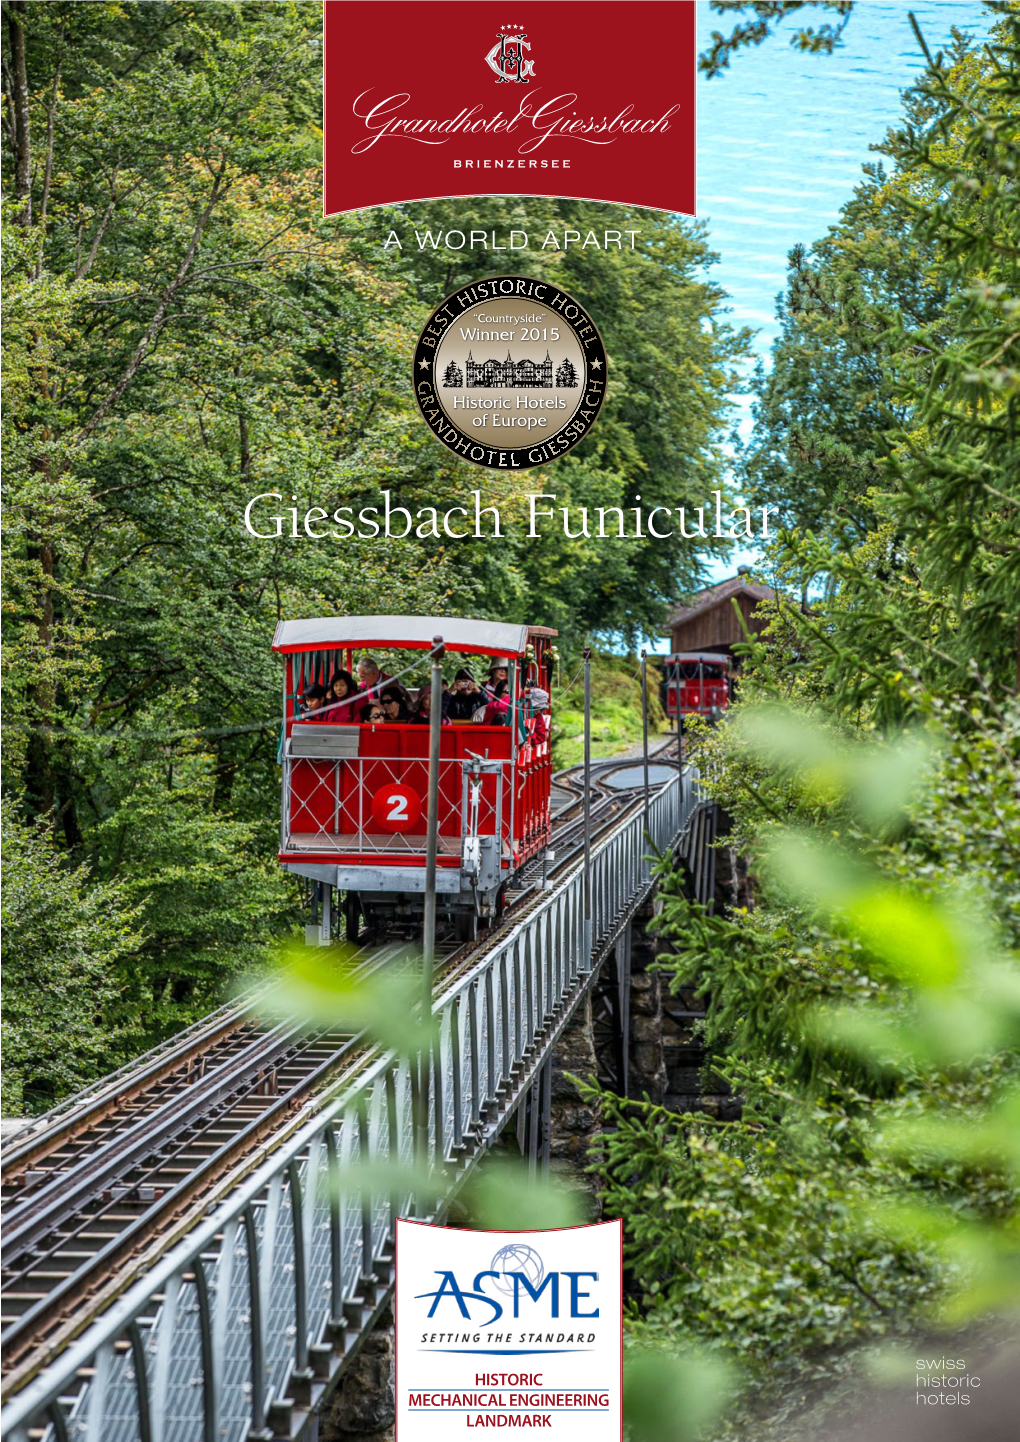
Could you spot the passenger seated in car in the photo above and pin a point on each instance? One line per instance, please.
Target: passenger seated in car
(313, 698)
(394, 707)
(369, 675)
(342, 688)
(372, 714)
(499, 676)
(538, 704)
(421, 714)
(466, 697)
(495, 712)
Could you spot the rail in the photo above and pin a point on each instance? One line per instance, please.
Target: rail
(238, 1330)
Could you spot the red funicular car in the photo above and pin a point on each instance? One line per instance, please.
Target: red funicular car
(696, 684)
(353, 812)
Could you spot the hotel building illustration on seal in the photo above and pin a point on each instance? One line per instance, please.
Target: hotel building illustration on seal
(511, 374)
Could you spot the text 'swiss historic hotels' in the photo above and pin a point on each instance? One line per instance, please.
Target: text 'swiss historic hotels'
(508, 1331)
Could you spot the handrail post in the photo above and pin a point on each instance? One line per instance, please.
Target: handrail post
(428, 948)
(586, 964)
(301, 1372)
(679, 741)
(256, 1328)
(644, 733)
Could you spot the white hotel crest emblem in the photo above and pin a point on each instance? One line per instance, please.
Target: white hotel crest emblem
(506, 59)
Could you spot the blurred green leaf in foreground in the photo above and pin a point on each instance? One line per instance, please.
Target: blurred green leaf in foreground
(327, 988)
(953, 1011)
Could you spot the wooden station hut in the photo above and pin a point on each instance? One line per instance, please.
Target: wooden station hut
(708, 621)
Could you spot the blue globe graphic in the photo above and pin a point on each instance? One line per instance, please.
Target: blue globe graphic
(516, 1257)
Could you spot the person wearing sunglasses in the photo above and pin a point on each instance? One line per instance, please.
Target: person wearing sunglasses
(372, 714)
(393, 704)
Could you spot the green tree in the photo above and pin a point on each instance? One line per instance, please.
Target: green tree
(865, 1011)
(184, 332)
(65, 941)
(887, 427)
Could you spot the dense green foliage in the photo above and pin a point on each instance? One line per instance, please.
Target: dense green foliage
(887, 425)
(184, 331)
(867, 1011)
(62, 940)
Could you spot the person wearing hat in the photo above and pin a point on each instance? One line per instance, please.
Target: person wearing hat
(421, 714)
(466, 696)
(499, 676)
(538, 702)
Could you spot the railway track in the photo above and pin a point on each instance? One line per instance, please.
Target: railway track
(88, 1197)
(90, 1189)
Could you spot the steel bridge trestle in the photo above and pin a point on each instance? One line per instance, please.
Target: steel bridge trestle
(244, 1326)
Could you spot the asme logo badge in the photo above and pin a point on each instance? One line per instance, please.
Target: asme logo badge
(513, 1331)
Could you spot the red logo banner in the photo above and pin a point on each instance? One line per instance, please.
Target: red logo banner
(592, 99)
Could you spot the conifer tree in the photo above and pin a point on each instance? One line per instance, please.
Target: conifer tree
(863, 1175)
(566, 374)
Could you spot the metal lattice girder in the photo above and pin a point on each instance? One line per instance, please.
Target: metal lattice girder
(242, 1327)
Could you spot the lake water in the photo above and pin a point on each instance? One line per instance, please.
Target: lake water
(782, 137)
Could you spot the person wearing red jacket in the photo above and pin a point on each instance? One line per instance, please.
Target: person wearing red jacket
(496, 713)
(422, 713)
(343, 700)
(370, 677)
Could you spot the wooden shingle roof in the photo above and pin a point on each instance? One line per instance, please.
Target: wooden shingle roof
(711, 596)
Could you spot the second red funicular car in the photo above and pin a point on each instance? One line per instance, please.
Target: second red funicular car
(696, 684)
(353, 812)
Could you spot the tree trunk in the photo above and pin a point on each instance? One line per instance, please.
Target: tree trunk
(39, 782)
(245, 448)
(22, 136)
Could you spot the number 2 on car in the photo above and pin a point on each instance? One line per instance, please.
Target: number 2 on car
(396, 808)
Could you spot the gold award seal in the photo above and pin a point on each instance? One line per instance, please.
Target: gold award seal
(510, 372)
